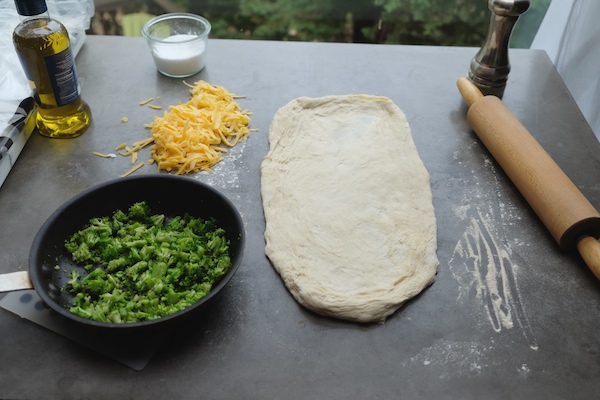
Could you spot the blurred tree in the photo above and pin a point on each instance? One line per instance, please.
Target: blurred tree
(305, 20)
(432, 22)
(462, 22)
(429, 22)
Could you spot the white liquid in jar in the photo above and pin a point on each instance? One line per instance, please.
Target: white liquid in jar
(180, 60)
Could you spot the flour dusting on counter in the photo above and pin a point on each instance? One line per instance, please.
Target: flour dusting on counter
(226, 173)
(482, 263)
(466, 358)
(226, 176)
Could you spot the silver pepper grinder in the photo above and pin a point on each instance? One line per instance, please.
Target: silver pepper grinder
(490, 66)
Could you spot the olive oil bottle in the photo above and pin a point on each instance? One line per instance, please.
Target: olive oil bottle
(43, 47)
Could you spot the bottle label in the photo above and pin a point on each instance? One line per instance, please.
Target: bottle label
(63, 77)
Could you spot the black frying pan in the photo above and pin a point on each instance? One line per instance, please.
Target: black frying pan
(165, 194)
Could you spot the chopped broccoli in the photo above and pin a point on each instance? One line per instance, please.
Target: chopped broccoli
(142, 267)
(139, 211)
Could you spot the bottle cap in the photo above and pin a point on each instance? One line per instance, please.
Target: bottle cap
(31, 7)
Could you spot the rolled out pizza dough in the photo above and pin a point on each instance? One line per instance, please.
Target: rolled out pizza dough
(350, 224)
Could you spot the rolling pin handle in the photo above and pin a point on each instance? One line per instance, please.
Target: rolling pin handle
(589, 249)
(469, 91)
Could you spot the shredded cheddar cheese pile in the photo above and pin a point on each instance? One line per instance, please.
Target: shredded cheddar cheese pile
(193, 136)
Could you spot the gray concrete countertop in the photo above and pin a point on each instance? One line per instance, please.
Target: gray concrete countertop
(509, 316)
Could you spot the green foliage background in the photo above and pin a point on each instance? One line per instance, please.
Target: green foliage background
(428, 22)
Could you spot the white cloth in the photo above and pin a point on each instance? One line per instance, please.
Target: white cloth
(570, 34)
(578, 59)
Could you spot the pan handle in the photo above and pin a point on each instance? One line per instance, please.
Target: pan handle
(15, 281)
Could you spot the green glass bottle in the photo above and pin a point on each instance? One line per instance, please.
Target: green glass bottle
(43, 47)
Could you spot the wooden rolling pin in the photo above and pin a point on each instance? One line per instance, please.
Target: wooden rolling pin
(564, 210)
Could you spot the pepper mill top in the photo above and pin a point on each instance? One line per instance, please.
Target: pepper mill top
(490, 67)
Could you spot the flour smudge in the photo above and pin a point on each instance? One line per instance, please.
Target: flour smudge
(483, 263)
